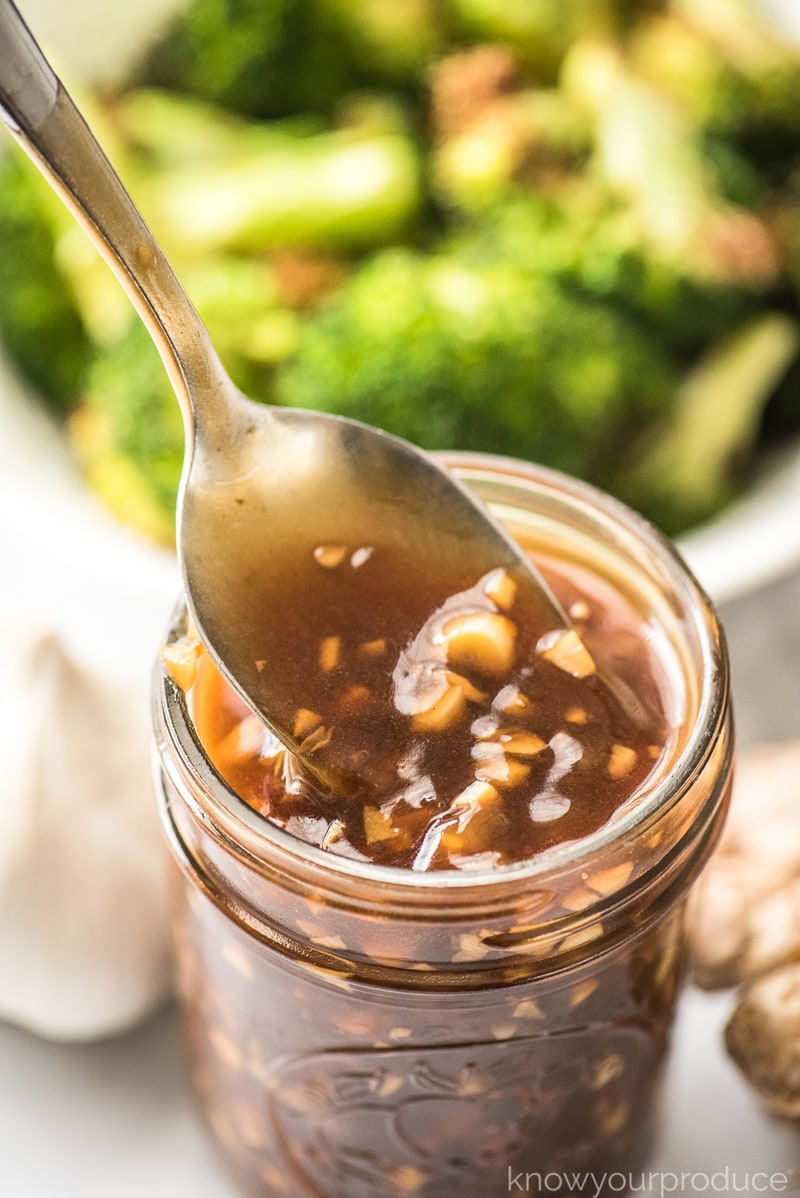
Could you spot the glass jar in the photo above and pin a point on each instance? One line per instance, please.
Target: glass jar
(358, 1031)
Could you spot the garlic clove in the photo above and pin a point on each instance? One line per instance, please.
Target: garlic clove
(84, 940)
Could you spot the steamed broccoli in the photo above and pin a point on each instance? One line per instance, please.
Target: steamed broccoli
(39, 323)
(736, 79)
(556, 334)
(596, 204)
(255, 58)
(460, 347)
(605, 183)
(690, 464)
(492, 133)
(594, 245)
(498, 343)
(211, 182)
(242, 302)
(540, 31)
(128, 434)
(520, 337)
(451, 352)
(391, 41)
(648, 153)
(605, 138)
(286, 56)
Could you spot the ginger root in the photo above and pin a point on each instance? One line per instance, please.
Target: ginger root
(763, 1037)
(744, 921)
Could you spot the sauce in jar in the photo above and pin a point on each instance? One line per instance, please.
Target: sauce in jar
(505, 748)
(438, 992)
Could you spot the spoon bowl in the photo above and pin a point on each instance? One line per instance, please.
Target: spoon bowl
(276, 504)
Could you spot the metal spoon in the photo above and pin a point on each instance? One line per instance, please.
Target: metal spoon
(270, 496)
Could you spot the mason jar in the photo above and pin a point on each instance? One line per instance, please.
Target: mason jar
(364, 1031)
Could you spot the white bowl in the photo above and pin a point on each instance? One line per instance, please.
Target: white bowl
(754, 541)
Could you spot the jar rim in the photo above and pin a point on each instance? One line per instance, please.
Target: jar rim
(232, 814)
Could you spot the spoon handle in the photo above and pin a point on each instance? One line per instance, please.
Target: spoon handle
(43, 118)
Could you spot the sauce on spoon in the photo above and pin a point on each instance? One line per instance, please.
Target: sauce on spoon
(476, 740)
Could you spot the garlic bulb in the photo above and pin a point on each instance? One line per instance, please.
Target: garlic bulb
(84, 945)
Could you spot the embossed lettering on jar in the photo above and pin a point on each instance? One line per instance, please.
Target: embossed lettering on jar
(366, 1031)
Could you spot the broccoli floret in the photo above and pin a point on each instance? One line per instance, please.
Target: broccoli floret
(679, 58)
(39, 323)
(391, 42)
(540, 31)
(653, 221)
(736, 79)
(242, 303)
(255, 58)
(600, 212)
(287, 56)
(128, 434)
(491, 133)
(492, 345)
(649, 155)
(738, 179)
(232, 184)
(690, 465)
(594, 246)
(492, 356)
(331, 191)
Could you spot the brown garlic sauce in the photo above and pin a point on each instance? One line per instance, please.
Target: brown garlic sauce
(497, 741)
